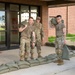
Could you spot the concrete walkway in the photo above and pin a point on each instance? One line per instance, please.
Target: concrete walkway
(48, 69)
(12, 55)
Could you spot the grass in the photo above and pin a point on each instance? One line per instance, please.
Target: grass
(2, 38)
(2, 29)
(69, 36)
(51, 39)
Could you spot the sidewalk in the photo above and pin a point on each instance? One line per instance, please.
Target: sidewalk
(12, 55)
(47, 69)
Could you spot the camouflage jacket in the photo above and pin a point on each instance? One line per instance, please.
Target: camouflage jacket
(39, 31)
(26, 34)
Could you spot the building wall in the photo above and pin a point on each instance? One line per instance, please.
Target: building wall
(45, 22)
(68, 14)
(43, 12)
(53, 12)
(71, 19)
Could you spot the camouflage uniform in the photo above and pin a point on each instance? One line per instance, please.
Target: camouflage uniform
(59, 39)
(25, 42)
(39, 35)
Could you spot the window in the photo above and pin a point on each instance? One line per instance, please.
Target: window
(24, 13)
(2, 6)
(24, 8)
(2, 24)
(2, 20)
(10, 19)
(34, 15)
(14, 7)
(33, 9)
(34, 12)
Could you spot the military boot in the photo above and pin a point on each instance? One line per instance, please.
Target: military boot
(39, 55)
(32, 57)
(22, 58)
(56, 61)
(60, 62)
(26, 56)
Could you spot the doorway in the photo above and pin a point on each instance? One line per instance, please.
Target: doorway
(11, 17)
(14, 25)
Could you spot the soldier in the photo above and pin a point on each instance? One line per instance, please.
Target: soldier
(60, 38)
(26, 32)
(39, 37)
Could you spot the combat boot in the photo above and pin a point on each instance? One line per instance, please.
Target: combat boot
(39, 55)
(22, 58)
(26, 56)
(56, 61)
(32, 57)
(60, 62)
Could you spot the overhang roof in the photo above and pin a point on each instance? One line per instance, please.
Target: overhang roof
(56, 2)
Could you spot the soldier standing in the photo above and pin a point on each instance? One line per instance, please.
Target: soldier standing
(60, 39)
(39, 37)
(26, 32)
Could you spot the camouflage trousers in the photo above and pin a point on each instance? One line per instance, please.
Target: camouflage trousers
(59, 43)
(24, 46)
(38, 46)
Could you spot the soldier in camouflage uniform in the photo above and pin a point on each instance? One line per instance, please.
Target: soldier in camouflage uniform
(39, 36)
(60, 40)
(26, 32)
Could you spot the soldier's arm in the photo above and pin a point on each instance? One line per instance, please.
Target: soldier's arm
(33, 36)
(22, 28)
(42, 33)
(64, 30)
(33, 40)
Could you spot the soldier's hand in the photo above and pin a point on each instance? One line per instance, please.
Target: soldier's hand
(33, 44)
(25, 26)
(64, 41)
(42, 41)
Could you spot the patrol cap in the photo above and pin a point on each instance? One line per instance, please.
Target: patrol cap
(38, 18)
